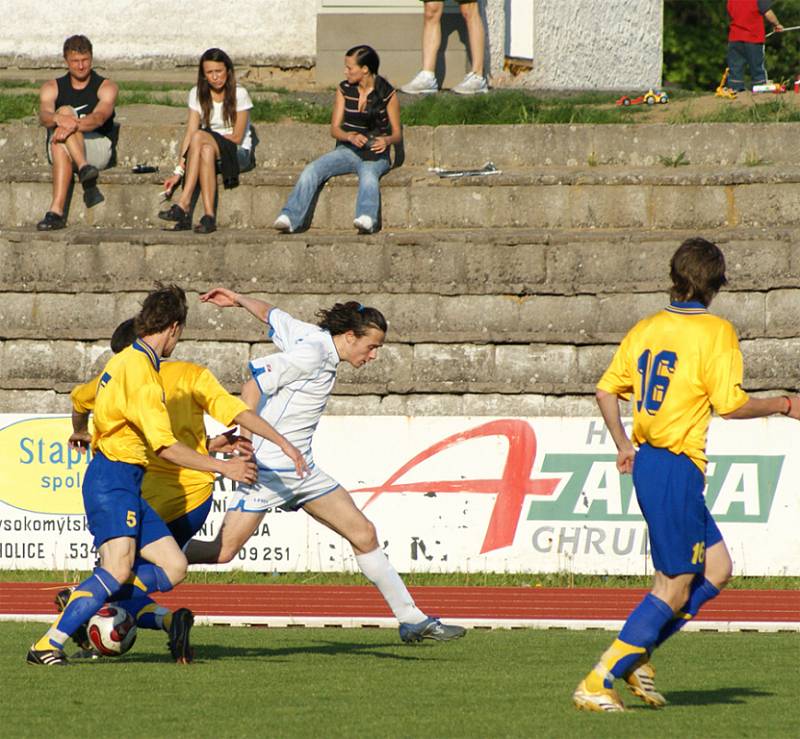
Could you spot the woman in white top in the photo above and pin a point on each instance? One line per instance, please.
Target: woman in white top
(218, 129)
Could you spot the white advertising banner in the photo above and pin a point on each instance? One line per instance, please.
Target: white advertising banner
(446, 495)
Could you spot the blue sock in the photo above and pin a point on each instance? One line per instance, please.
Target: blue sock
(640, 632)
(701, 592)
(146, 578)
(84, 602)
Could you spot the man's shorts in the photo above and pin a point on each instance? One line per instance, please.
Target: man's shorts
(669, 488)
(281, 488)
(114, 505)
(98, 149)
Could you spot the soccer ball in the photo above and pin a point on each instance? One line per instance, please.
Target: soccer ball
(112, 631)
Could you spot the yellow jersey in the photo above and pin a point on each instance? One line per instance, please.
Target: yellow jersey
(130, 413)
(191, 391)
(677, 365)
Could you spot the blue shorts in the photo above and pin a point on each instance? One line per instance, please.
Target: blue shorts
(185, 527)
(669, 488)
(114, 505)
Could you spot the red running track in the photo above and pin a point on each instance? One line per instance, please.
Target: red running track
(465, 603)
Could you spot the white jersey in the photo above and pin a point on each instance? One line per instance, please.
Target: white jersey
(295, 385)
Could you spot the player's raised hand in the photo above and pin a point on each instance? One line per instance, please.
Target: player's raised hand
(240, 469)
(221, 297)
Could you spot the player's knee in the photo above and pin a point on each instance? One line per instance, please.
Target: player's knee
(176, 568)
(365, 537)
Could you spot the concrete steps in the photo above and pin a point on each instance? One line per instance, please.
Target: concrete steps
(505, 295)
(554, 198)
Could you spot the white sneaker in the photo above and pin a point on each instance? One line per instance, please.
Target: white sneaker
(364, 224)
(282, 223)
(423, 84)
(472, 84)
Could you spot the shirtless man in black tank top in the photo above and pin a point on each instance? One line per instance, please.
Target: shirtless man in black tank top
(78, 111)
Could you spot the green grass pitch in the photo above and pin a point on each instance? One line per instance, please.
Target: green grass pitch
(363, 682)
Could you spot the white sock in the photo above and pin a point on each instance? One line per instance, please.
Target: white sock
(379, 571)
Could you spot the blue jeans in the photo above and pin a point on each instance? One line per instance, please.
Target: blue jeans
(342, 160)
(742, 54)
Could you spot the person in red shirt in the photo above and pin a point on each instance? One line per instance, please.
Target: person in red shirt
(746, 40)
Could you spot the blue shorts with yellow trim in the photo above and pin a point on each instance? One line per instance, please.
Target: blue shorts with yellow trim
(185, 527)
(114, 505)
(669, 488)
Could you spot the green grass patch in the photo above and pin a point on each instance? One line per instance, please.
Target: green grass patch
(273, 111)
(364, 682)
(13, 107)
(513, 107)
(458, 579)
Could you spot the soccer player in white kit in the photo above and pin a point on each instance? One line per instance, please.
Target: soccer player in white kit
(290, 390)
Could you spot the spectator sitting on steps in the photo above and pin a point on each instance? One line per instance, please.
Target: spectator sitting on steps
(218, 131)
(78, 112)
(425, 81)
(365, 122)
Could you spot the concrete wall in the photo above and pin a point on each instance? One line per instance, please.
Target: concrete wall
(153, 33)
(597, 44)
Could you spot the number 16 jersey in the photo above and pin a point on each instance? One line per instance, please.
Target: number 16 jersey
(676, 365)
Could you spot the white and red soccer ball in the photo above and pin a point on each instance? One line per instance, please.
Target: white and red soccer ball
(112, 631)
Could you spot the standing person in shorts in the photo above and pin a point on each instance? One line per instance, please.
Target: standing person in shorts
(218, 131)
(78, 112)
(425, 81)
(676, 366)
(130, 414)
(291, 389)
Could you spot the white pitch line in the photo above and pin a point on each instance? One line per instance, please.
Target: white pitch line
(351, 622)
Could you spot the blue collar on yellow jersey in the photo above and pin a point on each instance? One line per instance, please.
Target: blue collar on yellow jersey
(145, 348)
(690, 308)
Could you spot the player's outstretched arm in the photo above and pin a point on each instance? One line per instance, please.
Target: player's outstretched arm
(224, 298)
(240, 469)
(257, 425)
(786, 405)
(609, 409)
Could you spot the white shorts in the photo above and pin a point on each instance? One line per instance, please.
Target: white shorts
(281, 489)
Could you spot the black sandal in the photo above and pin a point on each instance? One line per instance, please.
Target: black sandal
(207, 225)
(174, 213)
(51, 222)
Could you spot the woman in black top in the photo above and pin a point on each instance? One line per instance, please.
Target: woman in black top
(365, 123)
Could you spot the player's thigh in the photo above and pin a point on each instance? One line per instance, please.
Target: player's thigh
(719, 565)
(189, 524)
(237, 527)
(165, 553)
(338, 512)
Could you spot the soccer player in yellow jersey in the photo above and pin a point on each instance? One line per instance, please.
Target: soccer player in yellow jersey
(182, 497)
(674, 366)
(130, 414)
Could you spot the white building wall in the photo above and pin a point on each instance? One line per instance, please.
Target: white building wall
(578, 44)
(160, 33)
(597, 44)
